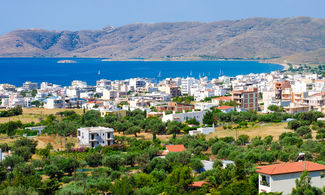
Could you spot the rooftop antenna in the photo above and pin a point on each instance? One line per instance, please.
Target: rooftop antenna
(301, 157)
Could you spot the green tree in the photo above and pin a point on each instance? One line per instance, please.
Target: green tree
(303, 130)
(181, 178)
(303, 186)
(94, 159)
(36, 103)
(143, 180)
(275, 108)
(122, 186)
(11, 161)
(113, 161)
(217, 163)
(53, 171)
(174, 127)
(242, 139)
(196, 164)
(159, 164)
(208, 118)
(239, 170)
(134, 130)
(294, 124)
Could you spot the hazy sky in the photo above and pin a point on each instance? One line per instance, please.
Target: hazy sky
(95, 14)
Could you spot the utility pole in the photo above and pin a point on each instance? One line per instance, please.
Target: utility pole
(74, 165)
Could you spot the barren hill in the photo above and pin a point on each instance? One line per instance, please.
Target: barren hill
(247, 38)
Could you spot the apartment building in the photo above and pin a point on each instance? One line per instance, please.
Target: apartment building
(29, 86)
(279, 87)
(174, 106)
(246, 99)
(94, 136)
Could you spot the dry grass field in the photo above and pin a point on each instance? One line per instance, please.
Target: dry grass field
(35, 114)
(263, 130)
(57, 142)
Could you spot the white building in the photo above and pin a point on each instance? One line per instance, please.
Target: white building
(73, 92)
(103, 83)
(186, 85)
(79, 84)
(16, 100)
(182, 117)
(137, 83)
(205, 105)
(282, 177)
(94, 136)
(54, 102)
(109, 94)
(29, 86)
(202, 130)
(4, 155)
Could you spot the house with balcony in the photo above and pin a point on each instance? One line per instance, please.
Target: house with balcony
(282, 177)
(94, 136)
(246, 99)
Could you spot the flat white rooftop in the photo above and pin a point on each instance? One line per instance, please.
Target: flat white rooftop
(96, 129)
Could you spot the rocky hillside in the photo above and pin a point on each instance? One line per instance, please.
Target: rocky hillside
(248, 38)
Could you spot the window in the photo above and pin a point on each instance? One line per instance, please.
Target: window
(265, 180)
(322, 174)
(78, 133)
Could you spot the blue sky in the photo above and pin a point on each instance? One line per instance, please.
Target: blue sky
(95, 14)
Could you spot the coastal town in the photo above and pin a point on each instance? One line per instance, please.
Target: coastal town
(254, 92)
(162, 97)
(178, 119)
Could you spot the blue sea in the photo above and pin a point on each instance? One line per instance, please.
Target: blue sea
(18, 70)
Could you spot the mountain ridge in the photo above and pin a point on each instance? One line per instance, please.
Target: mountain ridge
(252, 38)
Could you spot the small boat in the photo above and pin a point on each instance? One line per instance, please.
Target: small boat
(98, 72)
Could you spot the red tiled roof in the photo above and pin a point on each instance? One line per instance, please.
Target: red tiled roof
(96, 102)
(224, 107)
(318, 94)
(284, 168)
(198, 184)
(175, 148)
(223, 98)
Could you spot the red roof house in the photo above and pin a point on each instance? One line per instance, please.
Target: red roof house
(292, 167)
(282, 177)
(226, 109)
(174, 148)
(198, 184)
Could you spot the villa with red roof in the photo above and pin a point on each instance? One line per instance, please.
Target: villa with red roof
(225, 109)
(198, 184)
(173, 148)
(222, 98)
(282, 177)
